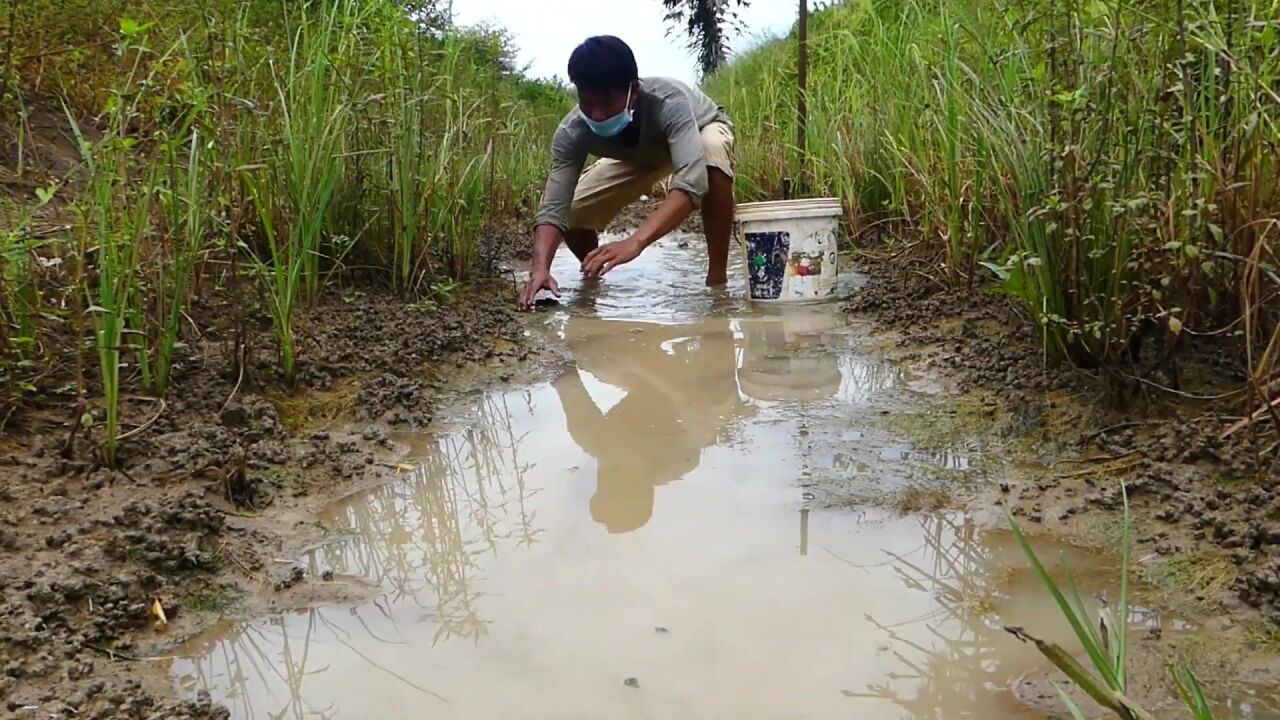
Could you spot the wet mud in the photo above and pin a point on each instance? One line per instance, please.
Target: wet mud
(649, 499)
(1207, 507)
(214, 493)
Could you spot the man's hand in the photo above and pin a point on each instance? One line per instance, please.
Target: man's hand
(609, 256)
(538, 281)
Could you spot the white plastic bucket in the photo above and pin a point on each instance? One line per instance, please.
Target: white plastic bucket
(790, 248)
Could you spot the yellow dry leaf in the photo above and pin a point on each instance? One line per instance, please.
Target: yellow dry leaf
(157, 612)
(404, 468)
(1175, 325)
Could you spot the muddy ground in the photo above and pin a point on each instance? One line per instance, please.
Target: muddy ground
(215, 493)
(1206, 507)
(215, 498)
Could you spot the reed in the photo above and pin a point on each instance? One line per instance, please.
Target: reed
(236, 145)
(1106, 164)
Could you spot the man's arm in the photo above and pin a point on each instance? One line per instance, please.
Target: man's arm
(666, 218)
(553, 216)
(546, 240)
(552, 220)
(689, 170)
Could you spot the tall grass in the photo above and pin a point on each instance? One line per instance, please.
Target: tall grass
(316, 96)
(267, 144)
(115, 220)
(186, 208)
(1108, 164)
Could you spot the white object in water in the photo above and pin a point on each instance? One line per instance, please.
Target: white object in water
(790, 249)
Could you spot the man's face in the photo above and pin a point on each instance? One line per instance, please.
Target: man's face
(600, 105)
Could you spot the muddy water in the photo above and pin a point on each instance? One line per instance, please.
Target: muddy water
(694, 520)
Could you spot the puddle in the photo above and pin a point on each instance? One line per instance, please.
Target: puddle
(639, 538)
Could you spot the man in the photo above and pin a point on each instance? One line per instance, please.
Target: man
(642, 129)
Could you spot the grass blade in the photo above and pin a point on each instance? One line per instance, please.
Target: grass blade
(1083, 631)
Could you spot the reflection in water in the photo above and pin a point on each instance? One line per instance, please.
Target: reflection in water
(262, 667)
(680, 398)
(684, 389)
(943, 458)
(785, 358)
(964, 659)
(787, 355)
(423, 538)
(512, 589)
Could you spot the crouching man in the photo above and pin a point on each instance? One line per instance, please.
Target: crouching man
(643, 130)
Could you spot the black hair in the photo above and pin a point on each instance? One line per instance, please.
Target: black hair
(603, 62)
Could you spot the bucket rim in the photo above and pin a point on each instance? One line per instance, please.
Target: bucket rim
(789, 209)
(798, 202)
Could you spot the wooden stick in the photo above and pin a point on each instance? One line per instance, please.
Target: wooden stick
(802, 95)
(1264, 411)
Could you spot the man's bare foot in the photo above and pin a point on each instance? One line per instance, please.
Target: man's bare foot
(714, 281)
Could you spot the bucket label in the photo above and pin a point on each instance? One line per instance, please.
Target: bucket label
(805, 264)
(767, 254)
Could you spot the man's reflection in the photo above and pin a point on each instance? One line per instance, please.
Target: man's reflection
(681, 394)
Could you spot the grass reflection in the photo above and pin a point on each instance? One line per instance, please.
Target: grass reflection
(423, 538)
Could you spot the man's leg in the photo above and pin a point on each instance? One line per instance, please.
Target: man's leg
(603, 191)
(717, 204)
(582, 241)
(717, 223)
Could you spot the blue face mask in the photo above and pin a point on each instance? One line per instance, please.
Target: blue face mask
(613, 125)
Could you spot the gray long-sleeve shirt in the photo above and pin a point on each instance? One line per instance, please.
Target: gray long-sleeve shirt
(670, 115)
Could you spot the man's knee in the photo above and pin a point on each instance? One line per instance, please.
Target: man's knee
(581, 241)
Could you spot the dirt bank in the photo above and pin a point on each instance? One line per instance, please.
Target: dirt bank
(1206, 503)
(215, 493)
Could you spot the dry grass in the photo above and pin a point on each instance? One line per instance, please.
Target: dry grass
(1265, 634)
(922, 499)
(309, 412)
(1206, 574)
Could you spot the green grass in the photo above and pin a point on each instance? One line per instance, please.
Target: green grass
(1108, 164)
(1106, 642)
(257, 147)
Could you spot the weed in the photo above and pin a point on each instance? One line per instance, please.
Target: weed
(1106, 644)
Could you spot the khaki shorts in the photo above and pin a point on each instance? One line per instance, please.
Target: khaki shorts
(610, 185)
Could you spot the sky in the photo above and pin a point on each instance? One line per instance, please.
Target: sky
(546, 31)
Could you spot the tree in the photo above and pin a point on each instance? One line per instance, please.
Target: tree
(707, 23)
